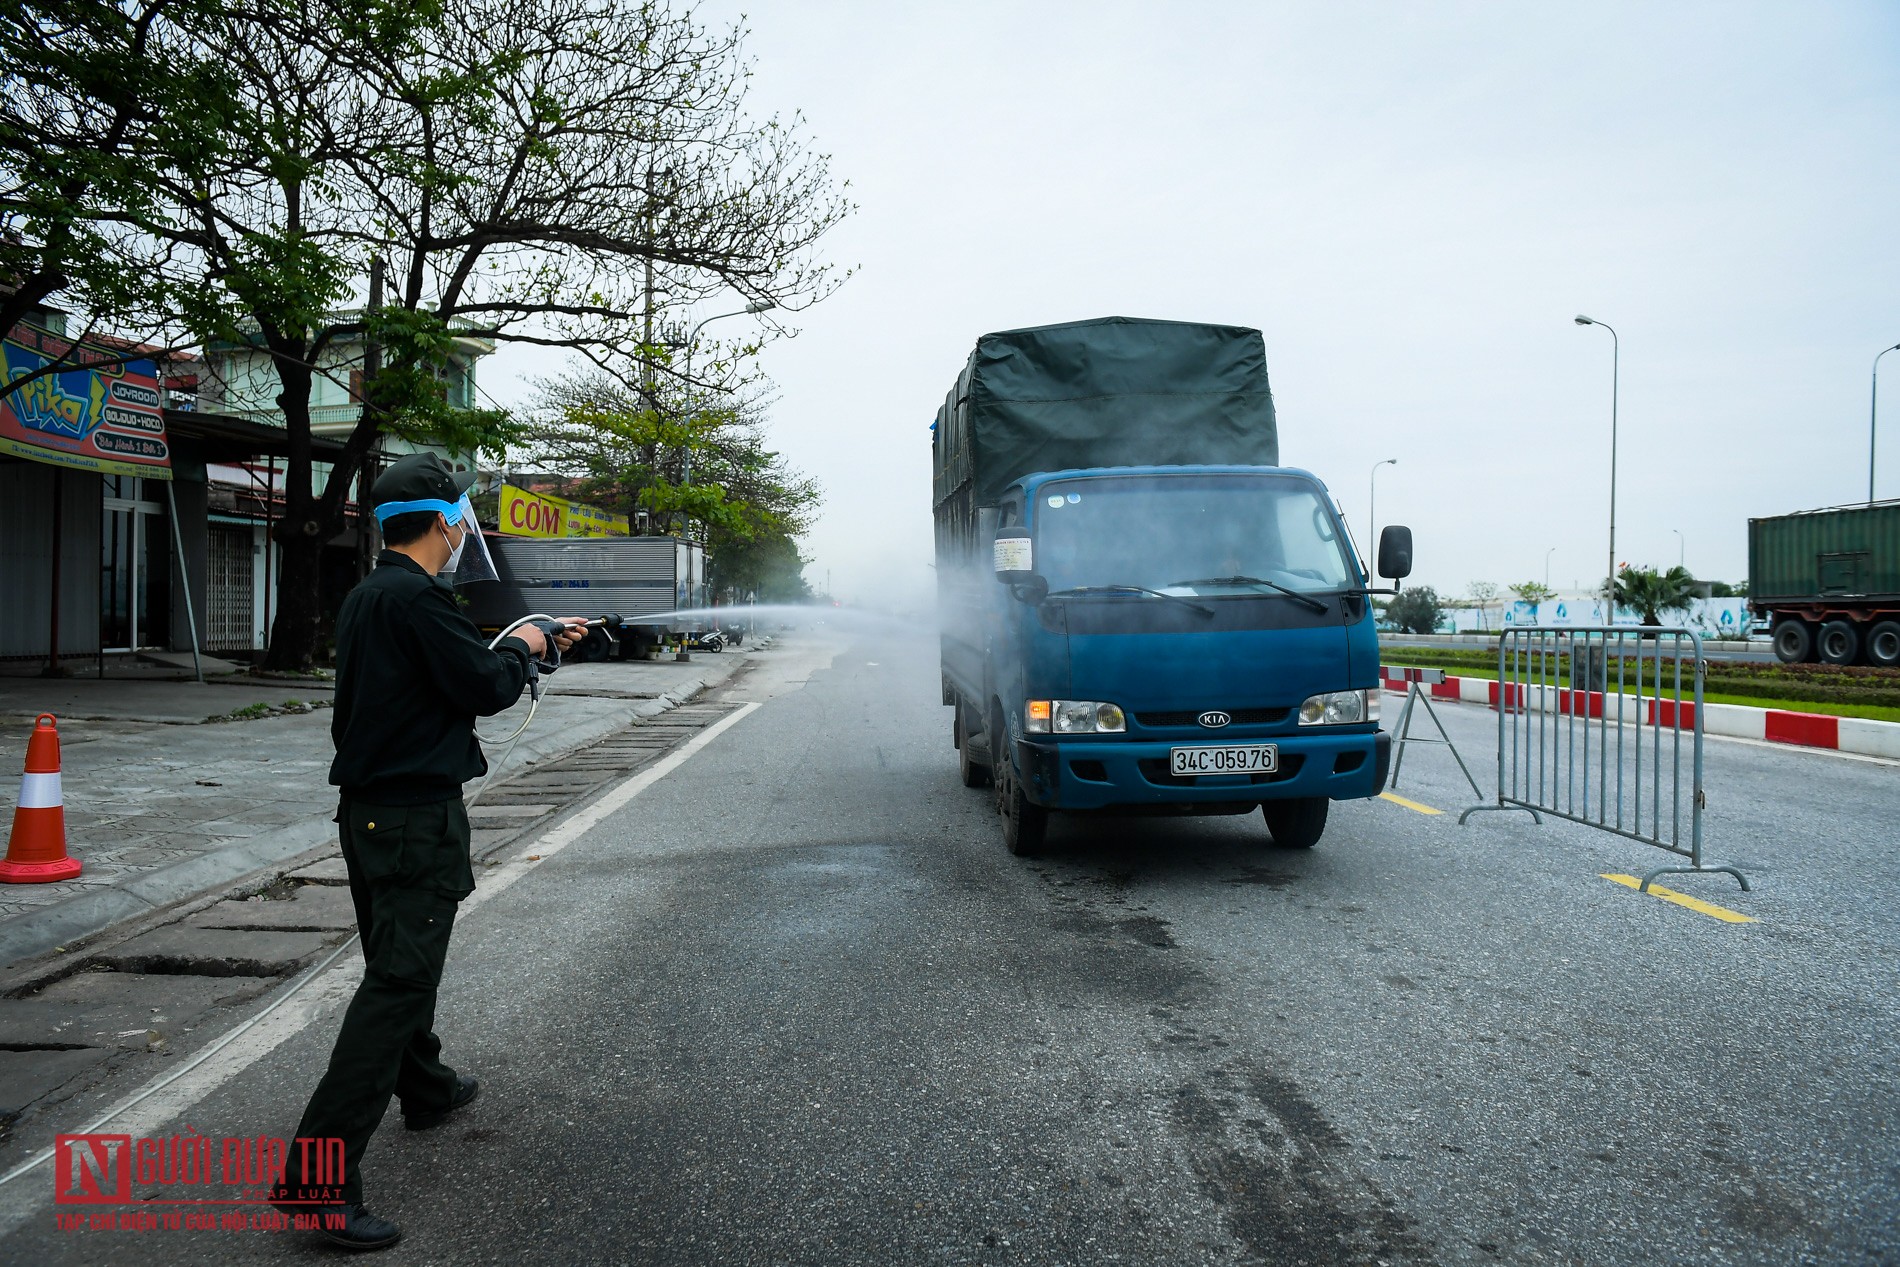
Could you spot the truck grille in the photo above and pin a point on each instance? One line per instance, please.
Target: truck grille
(1241, 716)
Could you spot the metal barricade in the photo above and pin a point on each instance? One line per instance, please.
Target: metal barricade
(1591, 728)
(1402, 733)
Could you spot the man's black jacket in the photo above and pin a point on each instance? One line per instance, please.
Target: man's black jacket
(412, 675)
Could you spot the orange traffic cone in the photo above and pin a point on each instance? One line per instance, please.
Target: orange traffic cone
(36, 852)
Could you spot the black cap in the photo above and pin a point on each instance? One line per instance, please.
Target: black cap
(419, 477)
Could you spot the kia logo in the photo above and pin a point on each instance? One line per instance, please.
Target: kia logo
(1214, 719)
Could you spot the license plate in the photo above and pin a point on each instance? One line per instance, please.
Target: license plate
(1259, 758)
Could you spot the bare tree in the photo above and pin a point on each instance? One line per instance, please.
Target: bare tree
(1482, 595)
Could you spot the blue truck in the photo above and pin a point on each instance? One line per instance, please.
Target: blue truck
(1142, 611)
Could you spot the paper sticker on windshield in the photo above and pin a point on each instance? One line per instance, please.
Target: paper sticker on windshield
(1055, 501)
(1013, 554)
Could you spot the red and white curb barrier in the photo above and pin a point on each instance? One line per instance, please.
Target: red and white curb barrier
(1737, 721)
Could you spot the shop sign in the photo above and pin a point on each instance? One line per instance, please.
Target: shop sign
(525, 514)
(106, 419)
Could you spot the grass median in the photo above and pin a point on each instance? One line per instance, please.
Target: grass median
(1833, 690)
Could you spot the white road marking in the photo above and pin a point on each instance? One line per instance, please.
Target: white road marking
(573, 827)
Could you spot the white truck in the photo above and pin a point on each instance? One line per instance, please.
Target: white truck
(656, 586)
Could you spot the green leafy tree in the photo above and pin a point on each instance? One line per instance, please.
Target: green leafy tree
(693, 464)
(102, 99)
(1533, 592)
(1650, 593)
(282, 224)
(559, 173)
(1417, 610)
(769, 568)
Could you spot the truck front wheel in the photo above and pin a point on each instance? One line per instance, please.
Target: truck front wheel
(1024, 822)
(1298, 823)
(1794, 642)
(1839, 642)
(971, 768)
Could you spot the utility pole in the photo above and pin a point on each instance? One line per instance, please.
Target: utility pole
(1372, 526)
(372, 366)
(686, 471)
(1873, 417)
(1616, 357)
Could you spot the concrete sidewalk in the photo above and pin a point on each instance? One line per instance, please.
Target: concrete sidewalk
(147, 701)
(162, 805)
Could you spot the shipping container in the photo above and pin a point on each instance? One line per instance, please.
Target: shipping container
(1828, 583)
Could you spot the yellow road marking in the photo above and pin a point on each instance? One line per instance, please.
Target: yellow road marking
(1683, 899)
(1400, 800)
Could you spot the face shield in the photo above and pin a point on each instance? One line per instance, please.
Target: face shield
(476, 564)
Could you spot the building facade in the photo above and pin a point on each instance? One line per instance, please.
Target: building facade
(104, 551)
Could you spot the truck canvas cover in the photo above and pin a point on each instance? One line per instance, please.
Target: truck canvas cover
(1115, 391)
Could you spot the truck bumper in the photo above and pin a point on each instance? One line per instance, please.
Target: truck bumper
(1105, 774)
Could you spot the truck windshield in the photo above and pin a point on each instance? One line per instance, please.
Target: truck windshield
(1217, 535)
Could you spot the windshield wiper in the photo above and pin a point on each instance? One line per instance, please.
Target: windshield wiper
(1306, 599)
(1202, 608)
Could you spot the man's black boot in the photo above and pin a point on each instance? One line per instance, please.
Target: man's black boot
(354, 1227)
(466, 1089)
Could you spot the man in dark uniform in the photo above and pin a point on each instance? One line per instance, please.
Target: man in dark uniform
(412, 675)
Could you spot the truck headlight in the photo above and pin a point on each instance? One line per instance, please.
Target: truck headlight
(1072, 717)
(1340, 708)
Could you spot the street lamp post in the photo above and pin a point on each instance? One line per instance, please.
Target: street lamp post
(1679, 546)
(1873, 406)
(1547, 555)
(1372, 525)
(1616, 357)
(756, 306)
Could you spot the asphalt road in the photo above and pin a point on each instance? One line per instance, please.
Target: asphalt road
(794, 1004)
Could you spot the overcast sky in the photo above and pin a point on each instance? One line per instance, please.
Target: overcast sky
(1411, 201)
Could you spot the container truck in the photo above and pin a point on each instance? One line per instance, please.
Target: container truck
(1827, 583)
(642, 580)
(1143, 611)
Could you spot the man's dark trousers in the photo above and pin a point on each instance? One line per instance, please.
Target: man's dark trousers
(408, 867)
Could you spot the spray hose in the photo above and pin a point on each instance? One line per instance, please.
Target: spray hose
(537, 669)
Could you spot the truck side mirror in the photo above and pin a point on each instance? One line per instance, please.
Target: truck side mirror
(1014, 559)
(1395, 552)
(1013, 556)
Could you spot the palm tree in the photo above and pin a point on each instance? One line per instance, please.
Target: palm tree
(1652, 593)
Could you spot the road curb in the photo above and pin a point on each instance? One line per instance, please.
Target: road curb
(86, 915)
(1825, 731)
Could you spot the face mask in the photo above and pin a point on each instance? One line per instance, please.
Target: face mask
(455, 552)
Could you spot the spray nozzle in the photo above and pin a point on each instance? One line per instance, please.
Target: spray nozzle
(552, 629)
